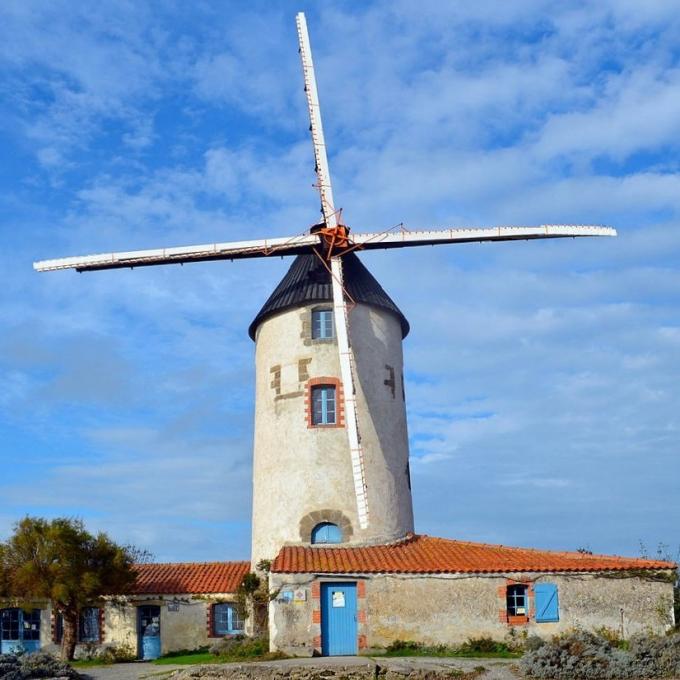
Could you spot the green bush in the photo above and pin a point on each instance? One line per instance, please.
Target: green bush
(122, 653)
(483, 645)
(612, 636)
(405, 646)
(241, 647)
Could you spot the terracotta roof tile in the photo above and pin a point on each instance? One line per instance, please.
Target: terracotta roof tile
(189, 577)
(428, 555)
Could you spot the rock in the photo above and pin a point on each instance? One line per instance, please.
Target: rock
(364, 671)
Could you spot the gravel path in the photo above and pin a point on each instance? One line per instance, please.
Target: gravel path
(129, 671)
(496, 669)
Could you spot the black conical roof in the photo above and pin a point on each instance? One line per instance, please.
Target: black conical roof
(308, 280)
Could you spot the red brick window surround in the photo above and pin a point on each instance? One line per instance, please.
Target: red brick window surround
(216, 622)
(339, 402)
(516, 600)
(85, 628)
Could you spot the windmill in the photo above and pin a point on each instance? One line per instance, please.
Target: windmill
(333, 247)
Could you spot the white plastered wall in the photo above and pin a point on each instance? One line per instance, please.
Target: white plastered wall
(299, 470)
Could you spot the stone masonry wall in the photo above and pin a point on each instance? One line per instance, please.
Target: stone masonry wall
(187, 628)
(449, 609)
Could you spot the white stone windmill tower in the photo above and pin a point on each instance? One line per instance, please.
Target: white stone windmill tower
(331, 444)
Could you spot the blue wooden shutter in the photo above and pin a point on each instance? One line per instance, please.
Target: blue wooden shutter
(547, 604)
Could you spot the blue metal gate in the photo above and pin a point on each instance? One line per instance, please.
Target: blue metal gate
(149, 632)
(338, 619)
(19, 630)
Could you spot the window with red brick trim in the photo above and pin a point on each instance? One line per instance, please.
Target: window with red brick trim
(324, 403)
(90, 625)
(517, 603)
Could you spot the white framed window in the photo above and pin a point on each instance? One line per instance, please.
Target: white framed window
(226, 620)
(322, 324)
(324, 405)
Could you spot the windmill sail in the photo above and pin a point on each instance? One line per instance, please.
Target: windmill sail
(406, 238)
(315, 125)
(340, 311)
(290, 245)
(295, 245)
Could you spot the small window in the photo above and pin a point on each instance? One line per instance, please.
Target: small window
(517, 600)
(322, 324)
(323, 405)
(226, 620)
(326, 532)
(88, 627)
(546, 602)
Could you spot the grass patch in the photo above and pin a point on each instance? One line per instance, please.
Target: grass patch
(239, 651)
(186, 658)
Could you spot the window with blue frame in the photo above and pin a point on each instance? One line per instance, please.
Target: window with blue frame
(546, 602)
(323, 405)
(19, 629)
(517, 600)
(322, 324)
(326, 532)
(226, 620)
(9, 624)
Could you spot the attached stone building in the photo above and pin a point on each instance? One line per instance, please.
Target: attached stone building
(171, 607)
(335, 599)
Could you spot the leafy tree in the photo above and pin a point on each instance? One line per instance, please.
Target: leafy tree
(60, 561)
(253, 596)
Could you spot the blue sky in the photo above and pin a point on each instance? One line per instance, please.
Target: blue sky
(542, 378)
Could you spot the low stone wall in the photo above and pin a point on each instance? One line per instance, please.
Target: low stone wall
(362, 669)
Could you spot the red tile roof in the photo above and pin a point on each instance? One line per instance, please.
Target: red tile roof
(428, 555)
(189, 577)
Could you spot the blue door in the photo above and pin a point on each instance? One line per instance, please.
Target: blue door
(149, 632)
(338, 619)
(19, 631)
